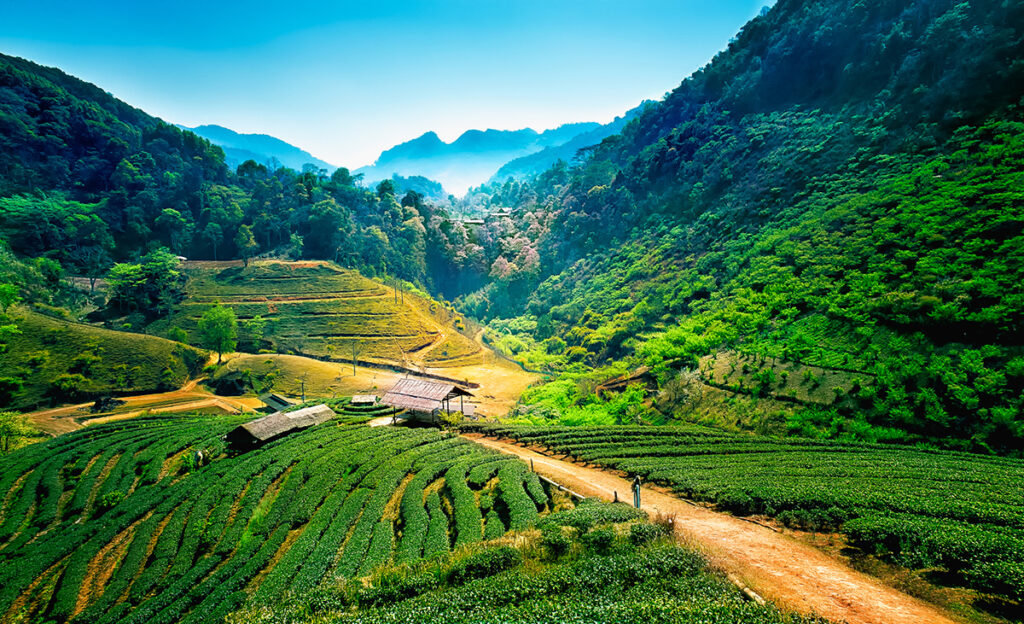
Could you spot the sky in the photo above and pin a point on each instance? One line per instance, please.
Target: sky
(346, 80)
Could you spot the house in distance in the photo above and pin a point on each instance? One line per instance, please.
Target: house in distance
(426, 400)
(262, 430)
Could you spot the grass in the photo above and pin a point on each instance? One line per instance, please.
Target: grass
(62, 361)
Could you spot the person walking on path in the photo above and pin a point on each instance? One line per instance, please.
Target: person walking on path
(636, 491)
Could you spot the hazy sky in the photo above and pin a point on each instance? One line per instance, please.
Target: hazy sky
(346, 80)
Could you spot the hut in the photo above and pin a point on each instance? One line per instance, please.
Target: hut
(262, 430)
(426, 400)
(275, 402)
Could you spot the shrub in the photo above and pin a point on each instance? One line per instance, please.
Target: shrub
(599, 540)
(644, 533)
(483, 564)
(555, 541)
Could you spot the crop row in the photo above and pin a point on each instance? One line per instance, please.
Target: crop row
(919, 507)
(333, 500)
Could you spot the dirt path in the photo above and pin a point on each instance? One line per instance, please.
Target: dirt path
(791, 574)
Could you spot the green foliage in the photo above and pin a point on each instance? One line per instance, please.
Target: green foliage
(224, 520)
(219, 330)
(47, 360)
(151, 287)
(921, 508)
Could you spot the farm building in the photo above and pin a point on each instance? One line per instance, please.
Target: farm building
(426, 400)
(364, 399)
(275, 401)
(263, 430)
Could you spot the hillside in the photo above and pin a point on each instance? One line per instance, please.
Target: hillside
(262, 148)
(56, 361)
(864, 223)
(321, 310)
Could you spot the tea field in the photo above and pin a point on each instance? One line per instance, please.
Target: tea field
(921, 508)
(321, 310)
(120, 522)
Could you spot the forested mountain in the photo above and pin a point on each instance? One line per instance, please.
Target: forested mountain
(470, 159)
(839, 190)
(262, 148)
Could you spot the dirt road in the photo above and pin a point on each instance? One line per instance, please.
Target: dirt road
(791, 574)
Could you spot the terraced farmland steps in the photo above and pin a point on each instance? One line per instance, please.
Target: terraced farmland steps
(793, 575)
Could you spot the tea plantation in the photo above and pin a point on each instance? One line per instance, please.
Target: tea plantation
(123, 523)
(921, 508)
(321, 310)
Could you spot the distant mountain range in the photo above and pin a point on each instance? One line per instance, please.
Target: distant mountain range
(477, 155)
(538, 162)
(262, 148)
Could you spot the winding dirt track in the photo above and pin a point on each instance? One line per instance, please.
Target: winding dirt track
(791, 574)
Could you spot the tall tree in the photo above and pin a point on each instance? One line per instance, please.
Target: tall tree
(219, 330)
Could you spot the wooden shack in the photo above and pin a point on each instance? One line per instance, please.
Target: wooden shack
(262, 430)
(275, 402)
(425, 400)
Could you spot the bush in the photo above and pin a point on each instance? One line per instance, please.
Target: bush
(599, 540)
(555, 541)
(644, 533)
(483, 564)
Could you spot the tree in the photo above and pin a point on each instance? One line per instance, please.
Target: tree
(8, 297)
(246, 243)
(219, 330)
(12, 425)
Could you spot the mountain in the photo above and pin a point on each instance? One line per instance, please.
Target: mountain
(469, 160)
(528, 166)
(819, 232)
(262, 148)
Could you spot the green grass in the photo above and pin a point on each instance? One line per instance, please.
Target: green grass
(48, 349)
(920, 508)
(195, 542)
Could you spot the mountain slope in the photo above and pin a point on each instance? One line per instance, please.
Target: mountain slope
(469, 160)
(838, 189)
(262, 148)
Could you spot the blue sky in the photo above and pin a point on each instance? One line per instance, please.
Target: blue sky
(346, 80)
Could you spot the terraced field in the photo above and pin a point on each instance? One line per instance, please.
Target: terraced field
(116, 523)
(921, 508)
(321, 310)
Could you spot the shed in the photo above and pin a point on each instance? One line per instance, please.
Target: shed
(275, 401)
(263, 430)
(425, 399)
(364, 399)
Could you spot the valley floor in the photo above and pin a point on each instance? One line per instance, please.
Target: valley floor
(501, 384)
(792, 574)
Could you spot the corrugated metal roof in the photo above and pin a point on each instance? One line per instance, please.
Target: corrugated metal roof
(280, 422)
(421, 395)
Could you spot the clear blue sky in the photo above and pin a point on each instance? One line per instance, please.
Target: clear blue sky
(346, 80)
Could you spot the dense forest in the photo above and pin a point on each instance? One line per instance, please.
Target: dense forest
(836, 193)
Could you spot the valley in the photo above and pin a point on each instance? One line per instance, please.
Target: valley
(783, 304)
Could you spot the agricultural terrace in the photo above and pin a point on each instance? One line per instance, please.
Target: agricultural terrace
(321, 310)
(919, 508)
(117, 522)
